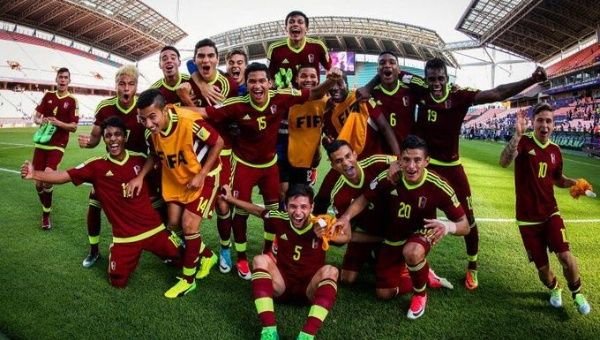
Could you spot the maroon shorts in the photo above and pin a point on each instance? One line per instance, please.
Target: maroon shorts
(357, 253)
(43, 159)
(246, 177)
(539, 238)
(456, 177)
(225, 174)
(124, 257)
(204, 204)
(295, 289)
(390, 270)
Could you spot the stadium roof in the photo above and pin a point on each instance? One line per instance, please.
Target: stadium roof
(534, 29)
(127, 28)
(361, 35)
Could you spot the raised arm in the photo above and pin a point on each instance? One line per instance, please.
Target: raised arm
(507, 90)
(333, 76)
(91, 140)
(53, 177)
(510, 150)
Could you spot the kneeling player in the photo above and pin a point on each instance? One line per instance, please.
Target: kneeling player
(136, 225)
(298, 272)
(412, 202)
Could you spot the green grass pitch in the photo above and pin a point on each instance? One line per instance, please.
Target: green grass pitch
(45, 293)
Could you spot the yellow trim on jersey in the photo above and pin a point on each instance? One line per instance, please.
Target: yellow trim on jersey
(252, 165)
(296, 50)
(442, 163)
(274, 45)
(225, 152)
(394, 243)
(49, 147)
(529, 223)
(399, 84)
(421, 181)
(446, 94)
(67, 94)
(440, 183)
(542, 146)
(139, 237)
(162, 82)
(131, 108)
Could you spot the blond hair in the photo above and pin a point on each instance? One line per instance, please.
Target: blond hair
(127, 70)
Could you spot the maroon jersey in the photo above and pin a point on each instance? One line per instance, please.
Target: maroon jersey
(65, 109)
(170, 92)
(398, 108)
(135, 131)
(299, 251)
(537, 166)
(229, 89)
(409, 204)
(339, 192)
(284, 60)
(129, 216)
(439, 121)
(258, 126)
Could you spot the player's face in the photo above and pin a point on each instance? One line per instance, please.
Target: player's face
(236, 66)
(296, 28)
(63, 80)
(307, 78)
(413, 163)
(169, 63)
(343, 160)
(436, 80)
(258, 86)
(543, 125)
(338, 92)
(114, 138)
(153, 118)
(299, 209)
(388, 69)
(206, 60)
(126, 89)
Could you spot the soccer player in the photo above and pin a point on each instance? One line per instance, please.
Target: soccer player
(123, 105)
(136, 226)
(353, 178)
(258, 116)
(439, 122)
(236, 62)
(188, 149)
(300, 135)
(298, 272)
(538, 167)
(412, 203)
(206, 58)
(58, 115)
(395, 97)
(286, 55)
(169, 61)
(367, 129)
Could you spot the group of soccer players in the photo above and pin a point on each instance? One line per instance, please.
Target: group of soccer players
(198, 142)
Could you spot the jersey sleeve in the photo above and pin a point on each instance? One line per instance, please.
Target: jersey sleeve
(377, 186)
(416, 84)
(295, 96)
(74, 114)
(450, 204)
(219, 113)
(374, 109)
(204, 132)
(558, 171)
(82, 173)
(322, 198)
(325, 60)
(41, 108)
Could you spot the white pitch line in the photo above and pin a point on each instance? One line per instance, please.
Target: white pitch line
(10, 170)
(17, 144)
(512, 220)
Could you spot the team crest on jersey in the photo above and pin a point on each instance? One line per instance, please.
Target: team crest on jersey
(552, 158)
(137, 169)
(50, 101)
(373, 184)
(448, 104)
(315, 243)
(422, 202)
(66, 105)
(311, 58)
(405, 101)
(273, 109)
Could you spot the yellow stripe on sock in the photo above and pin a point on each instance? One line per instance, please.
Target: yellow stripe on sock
(328, 282)
(472, 258)
(269, 236)
(417, 267)
(318, 312)
(94, 239)
(264, 304)
(189, 271)
(46, 210)
(418, 290)
(240, 246)
(225, 243)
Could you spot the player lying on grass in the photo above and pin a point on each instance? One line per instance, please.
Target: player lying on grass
(136, 226)
(413, 229)
(538, 167)
(298, 272)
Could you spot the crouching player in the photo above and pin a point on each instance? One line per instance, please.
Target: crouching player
(136, 226)
(538, 167)
(298, 273)
(413, 227)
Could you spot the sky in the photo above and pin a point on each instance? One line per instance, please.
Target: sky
(201, 19)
